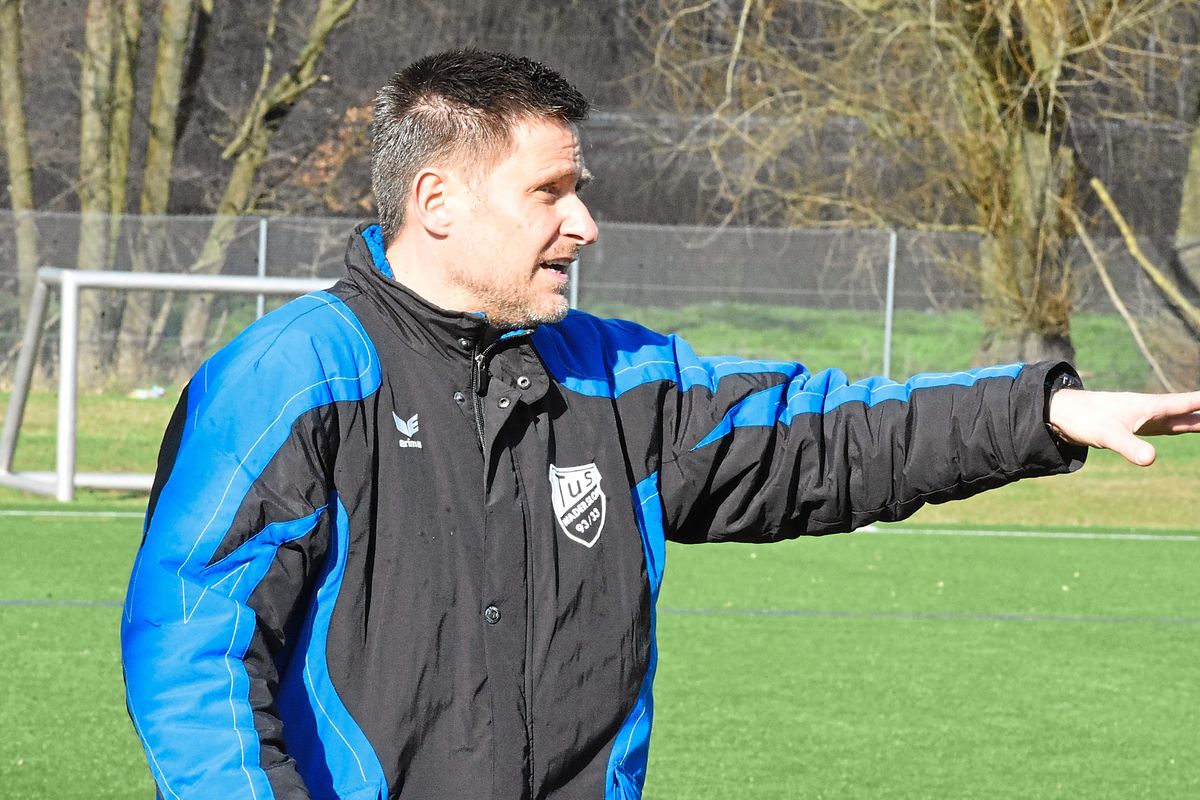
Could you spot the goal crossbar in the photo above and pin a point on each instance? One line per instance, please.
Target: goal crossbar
(64, 480)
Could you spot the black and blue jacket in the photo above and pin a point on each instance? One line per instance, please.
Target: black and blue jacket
(394, 552)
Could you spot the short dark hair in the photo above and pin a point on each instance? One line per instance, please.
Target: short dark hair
(462, 105)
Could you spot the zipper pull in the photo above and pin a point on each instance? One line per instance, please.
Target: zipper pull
(481, 376)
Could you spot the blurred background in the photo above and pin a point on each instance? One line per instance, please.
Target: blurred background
(1027, 172)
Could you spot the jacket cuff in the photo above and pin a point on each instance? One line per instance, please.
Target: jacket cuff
(1056, 375)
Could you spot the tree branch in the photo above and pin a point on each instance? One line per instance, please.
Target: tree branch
(1166, 286)
(1119, 304)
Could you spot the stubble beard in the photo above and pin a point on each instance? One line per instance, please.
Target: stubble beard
(509, 306)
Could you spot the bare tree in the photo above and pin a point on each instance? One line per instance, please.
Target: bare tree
(273, 100)
(16, 147)
(128, 37)
(114, 128)
(953, 115)
(139, 316)
(94, 189)
(95, 116)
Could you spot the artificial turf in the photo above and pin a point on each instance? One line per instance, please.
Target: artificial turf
(909, 666)
(875, 665)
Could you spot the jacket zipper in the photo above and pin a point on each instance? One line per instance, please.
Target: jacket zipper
(479, 382)
(477, 369)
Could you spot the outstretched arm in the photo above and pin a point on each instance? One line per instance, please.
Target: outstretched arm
(1114, 420)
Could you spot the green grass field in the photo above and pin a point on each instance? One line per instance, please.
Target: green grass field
(878, 665)
(889, 666)
(914, 662)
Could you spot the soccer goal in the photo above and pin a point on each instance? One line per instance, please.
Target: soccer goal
(63, 482)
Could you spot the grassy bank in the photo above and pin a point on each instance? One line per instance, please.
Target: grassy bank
(853, 340)
(119, 434)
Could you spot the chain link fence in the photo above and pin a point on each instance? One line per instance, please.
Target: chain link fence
(637, 271)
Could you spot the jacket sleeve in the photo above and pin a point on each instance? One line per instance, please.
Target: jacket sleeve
(769, 451)
(236, 530)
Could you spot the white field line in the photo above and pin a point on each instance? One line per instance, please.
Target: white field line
(816, 613)
(82, 514)
(872, 529)
(1130, 536)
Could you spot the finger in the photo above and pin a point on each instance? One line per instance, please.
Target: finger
(1169, 405)
(1179, 423)
(1133, 449)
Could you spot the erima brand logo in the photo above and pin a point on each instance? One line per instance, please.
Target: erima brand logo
(578, 502)
(409, 428)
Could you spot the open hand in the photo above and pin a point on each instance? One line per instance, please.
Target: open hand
(1114, 420)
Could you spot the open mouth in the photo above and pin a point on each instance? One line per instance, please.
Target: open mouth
(559, 265)
(555, 274)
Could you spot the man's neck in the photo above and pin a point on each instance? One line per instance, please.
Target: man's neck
(419, 268)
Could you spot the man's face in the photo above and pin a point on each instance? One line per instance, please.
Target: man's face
(525, 225)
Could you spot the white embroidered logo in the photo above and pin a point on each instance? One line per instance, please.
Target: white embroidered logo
(409, 428)
(578, 502)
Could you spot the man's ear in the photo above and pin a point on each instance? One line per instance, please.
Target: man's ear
(430, 195)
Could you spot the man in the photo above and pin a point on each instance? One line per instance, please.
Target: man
(407, 535)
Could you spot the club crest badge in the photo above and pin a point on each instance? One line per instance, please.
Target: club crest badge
(578, 502)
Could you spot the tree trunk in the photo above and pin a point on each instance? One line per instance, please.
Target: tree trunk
(16, 149)
(1184, 263)
(1025, 284)
(95, 97)
(1187, 232)
(1009, 336)
(128, 40)
(176, 17)
(151, 238)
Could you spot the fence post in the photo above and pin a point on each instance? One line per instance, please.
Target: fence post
(573, 287)
(889, 310)
(260, 303)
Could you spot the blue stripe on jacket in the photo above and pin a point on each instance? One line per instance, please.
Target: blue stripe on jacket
(187, 623)
(606, 358)
(631, 748)
(827, 390)
(332, 752)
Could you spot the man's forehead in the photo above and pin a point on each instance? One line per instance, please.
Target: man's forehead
(548, 146)
(550, 134)
(564, 165)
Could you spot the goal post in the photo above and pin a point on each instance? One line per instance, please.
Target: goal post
(64, 480)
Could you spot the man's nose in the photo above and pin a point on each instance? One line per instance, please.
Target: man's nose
(579, 225)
